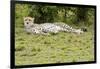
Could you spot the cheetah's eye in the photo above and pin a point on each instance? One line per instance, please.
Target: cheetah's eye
(25, 19)
(29, 19)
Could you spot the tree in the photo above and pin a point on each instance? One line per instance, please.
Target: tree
(43, 13)
(81, 14)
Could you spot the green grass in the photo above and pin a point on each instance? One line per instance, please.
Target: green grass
(59, 48)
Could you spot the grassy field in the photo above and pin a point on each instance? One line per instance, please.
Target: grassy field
(59, 48)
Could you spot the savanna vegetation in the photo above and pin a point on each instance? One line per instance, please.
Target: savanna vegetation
(60, 48)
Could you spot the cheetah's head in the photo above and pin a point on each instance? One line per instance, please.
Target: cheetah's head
(28, 21)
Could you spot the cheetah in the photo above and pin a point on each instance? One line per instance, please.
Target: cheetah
(47, 28)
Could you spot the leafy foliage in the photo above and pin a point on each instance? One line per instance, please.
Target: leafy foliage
(49, 13)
